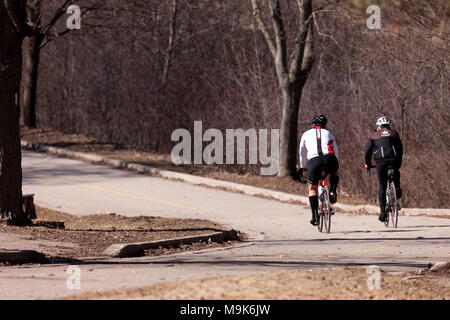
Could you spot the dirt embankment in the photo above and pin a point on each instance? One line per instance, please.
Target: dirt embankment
(92, 234)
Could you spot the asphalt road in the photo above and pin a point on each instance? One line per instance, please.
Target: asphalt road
(280, 234)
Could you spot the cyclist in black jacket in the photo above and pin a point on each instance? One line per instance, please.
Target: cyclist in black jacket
(386, 146)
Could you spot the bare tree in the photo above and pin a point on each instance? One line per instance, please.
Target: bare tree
(292, 73)
(42, 36)
(13, 29)
(170, 45)
(30, 74)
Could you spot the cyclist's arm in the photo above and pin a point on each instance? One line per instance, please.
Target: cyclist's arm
(303, 152)
(398, 145)
(335, 147)
(368, 153)
(400, 150)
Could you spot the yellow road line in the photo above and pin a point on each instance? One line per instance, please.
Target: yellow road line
(124, 194)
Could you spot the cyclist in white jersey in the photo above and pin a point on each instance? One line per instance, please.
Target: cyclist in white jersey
(318, 148)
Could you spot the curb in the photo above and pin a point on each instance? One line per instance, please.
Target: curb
(214, 183)
(126, 250)
(22, 257)
(440, 266)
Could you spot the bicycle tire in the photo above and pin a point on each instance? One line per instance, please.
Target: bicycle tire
(394, 205)
(326, 216)
(320, 213)
(328, 212)
(387, 207)
(326, 219)
(320, 225)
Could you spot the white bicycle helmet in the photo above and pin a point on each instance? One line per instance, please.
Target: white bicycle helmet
(383, 122)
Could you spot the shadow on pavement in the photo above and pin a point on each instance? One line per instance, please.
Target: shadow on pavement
(259, 263)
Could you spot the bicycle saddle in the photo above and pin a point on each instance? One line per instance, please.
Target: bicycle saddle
(391, 173)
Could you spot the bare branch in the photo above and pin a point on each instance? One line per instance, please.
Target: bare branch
(308, 55)
(280, 38)
(263, 28)
(172, 35)
(305, 10)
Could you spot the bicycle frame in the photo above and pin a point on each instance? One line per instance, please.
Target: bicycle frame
(325, 206)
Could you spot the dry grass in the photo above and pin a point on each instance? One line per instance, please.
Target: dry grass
(328, 284)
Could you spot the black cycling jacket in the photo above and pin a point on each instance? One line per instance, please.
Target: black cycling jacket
(385, 144)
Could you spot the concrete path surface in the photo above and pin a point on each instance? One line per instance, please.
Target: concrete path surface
(280, 234)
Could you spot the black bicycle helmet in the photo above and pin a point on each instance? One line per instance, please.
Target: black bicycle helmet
(320, 120)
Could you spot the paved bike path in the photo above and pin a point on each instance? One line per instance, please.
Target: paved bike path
(280, 233)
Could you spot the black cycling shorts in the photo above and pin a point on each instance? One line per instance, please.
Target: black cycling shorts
(316, 165)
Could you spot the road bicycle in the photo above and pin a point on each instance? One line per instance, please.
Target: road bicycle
(325, 210)
(392, 204)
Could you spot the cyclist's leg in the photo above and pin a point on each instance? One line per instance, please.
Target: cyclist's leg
(382, 181)
(334, 181)
(313, 203)
(313, 176)
(333, 169)
(398, 189)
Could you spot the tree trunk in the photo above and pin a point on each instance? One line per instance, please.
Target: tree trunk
(291, 78)
(30, 73)
(172, 35)
(10, 151)
(30, 80)
(289, 128)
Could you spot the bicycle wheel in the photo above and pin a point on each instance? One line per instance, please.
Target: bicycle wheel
(326, 215)
(320, 225)
(393, 204)
(388, 207)
(328, 212)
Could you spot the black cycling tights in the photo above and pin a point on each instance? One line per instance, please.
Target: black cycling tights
(334, 181)
(382, 174)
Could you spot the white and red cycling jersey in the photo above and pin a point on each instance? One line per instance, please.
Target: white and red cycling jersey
(317, 142)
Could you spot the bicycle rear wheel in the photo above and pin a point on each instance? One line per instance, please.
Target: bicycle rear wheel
(326, 215)
(386, 222)
(387, 208)
(320, 225)
(393, 204)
